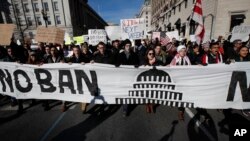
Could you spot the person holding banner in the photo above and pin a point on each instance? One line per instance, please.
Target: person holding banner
(86, 52)
(181, 59)
(12, 58)
(213, 56)
(33, 60)
(162, 55)
(127, 57)
(232, 52)
(243, 55)
(150, 60)
(102, 55)
(54, 57)
(78, 57)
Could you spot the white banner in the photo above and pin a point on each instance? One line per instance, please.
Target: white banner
(214, 86)
(133, 28)
(96, 36)
(240, 32)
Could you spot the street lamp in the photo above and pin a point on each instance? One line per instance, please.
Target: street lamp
(45, 17)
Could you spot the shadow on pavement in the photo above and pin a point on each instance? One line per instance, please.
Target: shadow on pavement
(169, 136)
(231, 122)
(206, 131)
(78, 132)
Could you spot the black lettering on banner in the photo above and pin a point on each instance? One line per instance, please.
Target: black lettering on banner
(92, 87)
(8, 79)
(17, 83)
(46, 81)
(68, 83)
(241, 77)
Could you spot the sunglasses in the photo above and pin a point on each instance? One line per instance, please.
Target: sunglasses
(151, 54)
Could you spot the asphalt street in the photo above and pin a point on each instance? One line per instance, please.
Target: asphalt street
(35, 124)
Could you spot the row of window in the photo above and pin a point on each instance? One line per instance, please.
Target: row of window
(39, 20)
(45, 7)
(172, 4)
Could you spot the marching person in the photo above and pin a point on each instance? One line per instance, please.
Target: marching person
(194, 55)
(78, 57)
(150, 60)
(33, 60)
(213, 56)
(12, 58)
(127, 57)
(54, 57)
(232, 52)
(181, 59)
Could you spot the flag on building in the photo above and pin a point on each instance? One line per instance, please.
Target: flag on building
(164, 39)
(197, 16)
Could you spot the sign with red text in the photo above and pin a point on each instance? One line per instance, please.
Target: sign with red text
(133, 28)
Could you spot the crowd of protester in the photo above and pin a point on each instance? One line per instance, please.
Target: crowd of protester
(143, 53)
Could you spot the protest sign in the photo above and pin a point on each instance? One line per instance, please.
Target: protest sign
(173, 34)
(214, 86)
(50, 35)
(240, 32)
(96, 36)
(133, 28)
(6, 32)
(113, 32)
(78, 40)
(156, 35)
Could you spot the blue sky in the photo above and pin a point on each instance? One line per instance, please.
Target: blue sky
(114, 10)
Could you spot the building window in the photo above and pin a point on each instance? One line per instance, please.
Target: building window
(146, 25)
(26, 7)
(36, 7)
(146, 21)
(29, 21)
(38, 19)
(17, 9)
(58, 20)
(193, 1)
(179, 7)
(56, 6)
(146, 17)
(46, 6)
(186, 3)
(49, 21)
(146, 12)
(237, 20)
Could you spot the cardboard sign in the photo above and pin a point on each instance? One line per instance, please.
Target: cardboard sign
(240, 32)
(50, 35)
(6, 32)
(96, 36)
(133, 28)
(113, 32)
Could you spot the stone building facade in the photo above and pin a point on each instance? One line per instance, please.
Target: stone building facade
(220, 16)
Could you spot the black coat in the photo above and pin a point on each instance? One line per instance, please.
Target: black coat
(105, 58)
(133, 59)
(50, 60)
(81, 59)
